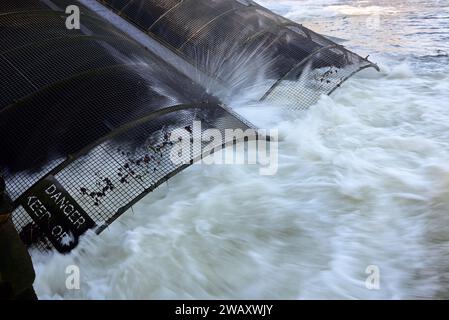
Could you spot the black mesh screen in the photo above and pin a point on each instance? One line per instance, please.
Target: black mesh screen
(245, 45)
(85, 121)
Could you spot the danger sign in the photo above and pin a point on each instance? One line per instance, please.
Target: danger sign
(57, 214)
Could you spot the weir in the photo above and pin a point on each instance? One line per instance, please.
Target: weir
(87, 114)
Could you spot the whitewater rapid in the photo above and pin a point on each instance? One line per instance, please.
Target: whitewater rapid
(363, 181)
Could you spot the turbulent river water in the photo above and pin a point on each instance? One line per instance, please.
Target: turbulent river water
(363, 182)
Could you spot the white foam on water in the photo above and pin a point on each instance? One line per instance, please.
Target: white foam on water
(363, 180)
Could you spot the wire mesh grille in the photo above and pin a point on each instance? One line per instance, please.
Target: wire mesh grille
(244, 45)
(89, 112)
(85, 117)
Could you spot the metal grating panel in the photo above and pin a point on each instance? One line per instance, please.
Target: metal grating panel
(85, 120)
(244, 45)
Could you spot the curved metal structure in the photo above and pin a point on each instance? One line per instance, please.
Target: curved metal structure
(87, 116)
